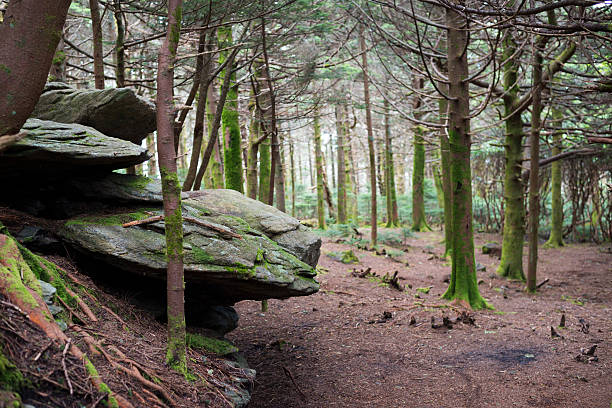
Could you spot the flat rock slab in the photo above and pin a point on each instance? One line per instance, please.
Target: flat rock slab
(275, 224)
(222, 269)
(116, 112)
(52, 147)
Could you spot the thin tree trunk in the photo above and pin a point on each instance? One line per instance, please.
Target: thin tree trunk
(556, 230)
(534, 177)
(292, 163)
(446, 178)
(214, 125)
(392, 212)
(511, 264)
(198, 128)
(253, 148)
(371, 149)
(152, 162)
(171, 191)
(341, 176)
(273, 132)
(98, 61)
(26, 54)
(119, 44)
(319, 168)
(463, 287)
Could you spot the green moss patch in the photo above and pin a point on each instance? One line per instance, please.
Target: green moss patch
(220, 347)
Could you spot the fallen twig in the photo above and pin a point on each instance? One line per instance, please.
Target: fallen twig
(144, 221)
(539, 285)
(219, 229)
(64, 366)
(40, 353)
(288, 374)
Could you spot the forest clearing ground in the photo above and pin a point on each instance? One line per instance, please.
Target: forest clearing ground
(337, 349)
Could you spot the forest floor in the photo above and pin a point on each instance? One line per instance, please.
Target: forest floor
(353, 344)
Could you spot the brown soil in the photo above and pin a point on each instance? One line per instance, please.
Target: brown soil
(337, 349)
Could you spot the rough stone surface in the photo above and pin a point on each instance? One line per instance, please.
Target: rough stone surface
(220, 319)
(116, 112)
(52, 147)
(275, 224)
(219, 269)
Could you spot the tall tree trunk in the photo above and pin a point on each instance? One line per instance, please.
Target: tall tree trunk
(119, 44)
(292, 164)
(534, 175)
(29, 42)
(275, 151)
(556, 230)
(98, 61)
(392, 214)
(511, 264)
(371, 150)
(419, 223)
(341, 175)
(319, 168)
(351, 177)
(463, 287)
(171, 190)
(198, 128)
(264, 171)
(232, 150)
(253, 149)
(446, 178)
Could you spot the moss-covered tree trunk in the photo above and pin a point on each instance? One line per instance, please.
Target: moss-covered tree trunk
(28, 45)
(171, 191)
(511, 264)
(319, 168)
(58, 67)
(232, 150)
(371, 149)
(463, 287)
(556, 229)
(392, 211)
(341, 175)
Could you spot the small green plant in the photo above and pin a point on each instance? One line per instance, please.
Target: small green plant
(424, 290)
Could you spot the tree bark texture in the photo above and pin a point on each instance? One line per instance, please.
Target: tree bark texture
(392, 211)
(556, 229)
(319, 169)
(371, 149)
(341, 175)
(511, 265)
(171, 191)
(463, 287)
(22, 79)
(98, 60)
(119, 44)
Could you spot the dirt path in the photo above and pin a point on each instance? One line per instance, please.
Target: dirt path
(336, 348)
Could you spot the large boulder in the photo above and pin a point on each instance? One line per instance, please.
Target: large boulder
(225, 259)
(275, 224)
(52, 147)
(116, 112)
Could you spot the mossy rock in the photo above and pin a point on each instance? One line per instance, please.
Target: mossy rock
(346, 257)
(227, 269)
